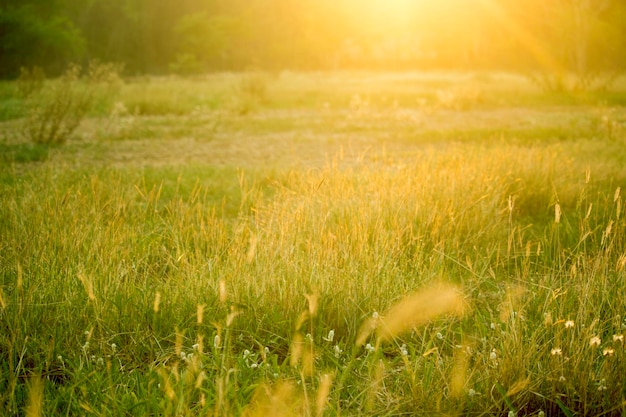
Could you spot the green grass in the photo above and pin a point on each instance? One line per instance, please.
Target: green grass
(188, 258)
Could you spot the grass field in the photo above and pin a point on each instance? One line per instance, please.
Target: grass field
(317, 245)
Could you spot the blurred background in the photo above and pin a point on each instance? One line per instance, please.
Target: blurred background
(189, 37)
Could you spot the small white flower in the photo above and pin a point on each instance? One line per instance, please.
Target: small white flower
(246, 354)
(493, 326)
(556, 351)
(403, 350)
(308, 337)
(562, 378)
(618, 338)
(439, 336)
(471, 392)
(493, 355)
(369, 348)
(608, 352)
(512, 413)
(338, 351)
(569, 324)
(113, 347)
(183, 355)
(100, 361)
(216, 341)
(254, 365)
(195, 346)
(266, 350)
(330, 337)
(375, 315)
(595, 341)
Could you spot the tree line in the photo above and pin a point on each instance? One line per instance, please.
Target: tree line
(195, 36)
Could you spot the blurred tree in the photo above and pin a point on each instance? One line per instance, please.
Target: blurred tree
(556, 37)
(569, 44)
(203, 42)
(33, 34)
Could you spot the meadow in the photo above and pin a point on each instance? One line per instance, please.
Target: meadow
(317, 244)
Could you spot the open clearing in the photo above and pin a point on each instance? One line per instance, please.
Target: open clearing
(318, 244)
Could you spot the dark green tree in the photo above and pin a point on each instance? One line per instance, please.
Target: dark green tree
(32, 34)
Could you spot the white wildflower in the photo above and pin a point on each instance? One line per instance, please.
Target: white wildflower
(403, 350)
(338, 351)
(595, 341)
(330, 337)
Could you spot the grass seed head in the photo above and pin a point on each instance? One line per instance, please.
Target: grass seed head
(35, 397)
(157, 301)
(419, 308)
(321, 399)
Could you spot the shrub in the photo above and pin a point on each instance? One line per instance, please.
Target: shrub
(250, 92)
(54, 109)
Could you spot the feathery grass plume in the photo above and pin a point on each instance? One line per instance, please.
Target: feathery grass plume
(200, 313)
(366, 329)
(308, 359)
(321, 399)
(222, 291)
(157, 301)
(297, 345)
(312, 300)
(375, 385)
(178, 345)
(557, 213)
(518, 387)
(35, 397)
(280, 400)
(88, 285)
(419, 308)
(166, 384)
(458, 375)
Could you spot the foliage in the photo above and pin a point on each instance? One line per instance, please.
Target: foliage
(558, 40)
(35, 37)
(54, 109)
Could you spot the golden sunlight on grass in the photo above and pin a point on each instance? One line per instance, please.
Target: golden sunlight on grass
(419, 308)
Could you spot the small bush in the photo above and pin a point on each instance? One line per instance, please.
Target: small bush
(54, 109)
(31, 81)
(250, 93)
